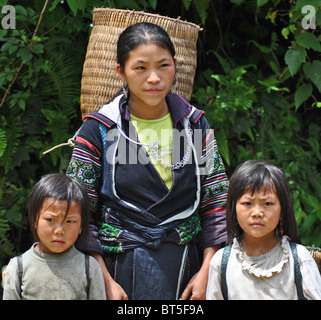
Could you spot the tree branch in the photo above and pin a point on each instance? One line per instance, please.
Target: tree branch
(22, 63)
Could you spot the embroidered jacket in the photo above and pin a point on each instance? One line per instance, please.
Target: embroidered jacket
(130, 203)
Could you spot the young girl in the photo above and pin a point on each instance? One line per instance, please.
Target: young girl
(264, 261)
(53, 268)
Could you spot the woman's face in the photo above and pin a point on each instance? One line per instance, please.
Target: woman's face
(149, 72)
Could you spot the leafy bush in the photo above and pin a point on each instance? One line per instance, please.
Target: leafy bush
(40, 82)
(264, 105)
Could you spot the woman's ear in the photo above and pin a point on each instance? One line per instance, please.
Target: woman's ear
(120, 71)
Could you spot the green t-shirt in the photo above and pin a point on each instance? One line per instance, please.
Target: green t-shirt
(162, 130)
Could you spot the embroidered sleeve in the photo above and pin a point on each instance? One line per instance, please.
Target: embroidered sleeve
(85, 165)
(214, 187)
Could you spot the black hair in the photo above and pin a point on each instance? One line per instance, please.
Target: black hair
(251, 176)
(142, 33)
(58, 187)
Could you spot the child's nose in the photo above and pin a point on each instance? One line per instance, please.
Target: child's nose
(59, 230)
(257, 211)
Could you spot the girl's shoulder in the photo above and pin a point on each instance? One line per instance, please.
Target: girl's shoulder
(91, 261)
(10, 268)
(304, 253)
(15, 261)
(14, 267)
(305, 259)
(94, 266)
(216, 260)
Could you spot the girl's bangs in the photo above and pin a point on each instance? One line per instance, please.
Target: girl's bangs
(259, 180)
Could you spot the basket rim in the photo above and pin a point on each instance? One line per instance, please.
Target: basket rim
(155, 15)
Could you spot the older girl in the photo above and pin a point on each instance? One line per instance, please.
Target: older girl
(264, 260)
(152, 206)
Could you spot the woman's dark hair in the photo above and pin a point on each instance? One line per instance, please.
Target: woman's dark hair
(251, 176)
(58, 187)
(142, 33)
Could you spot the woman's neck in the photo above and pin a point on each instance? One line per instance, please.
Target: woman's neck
(148, 112)
(256, 246)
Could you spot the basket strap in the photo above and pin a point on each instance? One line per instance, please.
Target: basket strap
(20, 271)
(225, 257)
(87, 275)
(297, 272)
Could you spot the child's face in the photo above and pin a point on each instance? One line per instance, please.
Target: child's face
(57, 231)
(258, 214)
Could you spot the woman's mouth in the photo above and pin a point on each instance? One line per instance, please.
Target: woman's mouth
(153, 91)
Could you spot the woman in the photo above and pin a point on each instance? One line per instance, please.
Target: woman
(153, 204)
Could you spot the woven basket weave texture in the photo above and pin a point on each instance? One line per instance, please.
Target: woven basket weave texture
(100, 80)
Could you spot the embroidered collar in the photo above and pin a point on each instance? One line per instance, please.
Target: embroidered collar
(259, 271)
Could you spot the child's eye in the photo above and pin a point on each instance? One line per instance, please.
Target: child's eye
(71, 221)
(140, 68)
(50, 220)
(267, 204)
(247, 204)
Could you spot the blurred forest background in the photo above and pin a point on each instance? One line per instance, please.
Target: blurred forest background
(258, 79)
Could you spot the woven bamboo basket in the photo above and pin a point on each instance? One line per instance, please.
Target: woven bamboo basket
(100, 80)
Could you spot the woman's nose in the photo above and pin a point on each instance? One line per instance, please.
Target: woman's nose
(153, 77)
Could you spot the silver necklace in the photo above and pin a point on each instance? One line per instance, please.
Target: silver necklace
(154, 148)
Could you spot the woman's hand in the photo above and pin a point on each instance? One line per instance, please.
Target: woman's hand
(196, 288)
(113, 290)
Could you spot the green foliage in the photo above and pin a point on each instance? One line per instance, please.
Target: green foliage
(258, 79)
(262, 104)
(202, 8)
(304, 46)
(40, 87)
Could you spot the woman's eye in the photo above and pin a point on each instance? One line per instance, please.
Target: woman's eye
(49, 220)
(71, 221)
